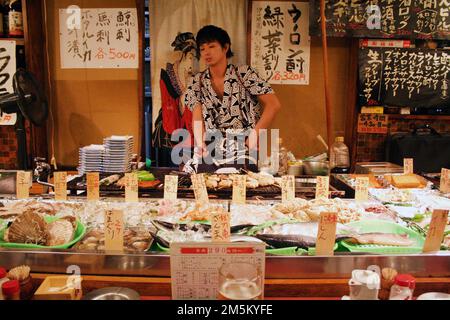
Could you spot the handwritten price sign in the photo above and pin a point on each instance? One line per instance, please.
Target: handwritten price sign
(60, 185)
(220, 225)
(199, 185)
(362, 189)
(326, 235)
(372, 123)
(93, 186)
(131, 187)
(322, 187)
(239, 189)
(287, 188)
(436, 231)
(408, 166)
(170, 187)
(445, 181)
(23, 184)
(114, 230)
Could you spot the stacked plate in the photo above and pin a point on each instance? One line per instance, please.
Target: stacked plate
(90, 158)
(118, 154)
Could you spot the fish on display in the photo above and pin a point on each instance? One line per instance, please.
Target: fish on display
(378, 238)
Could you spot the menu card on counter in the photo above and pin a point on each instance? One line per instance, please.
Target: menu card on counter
(199, 186)
(93, 186)
(170, 187)
(322, 187)
(220, 225)
(408, 166)
(362, 189)
(445, 181)
(131, 187)
(326, 235)
(287, 188)
(60, 182)
(114, 230)
(239, 189)
(23, 184)
(194, 266)
(436, 230)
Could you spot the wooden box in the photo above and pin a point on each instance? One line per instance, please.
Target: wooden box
(58, 288)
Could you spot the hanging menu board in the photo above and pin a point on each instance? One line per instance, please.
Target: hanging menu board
(404, 77)
(421, 19)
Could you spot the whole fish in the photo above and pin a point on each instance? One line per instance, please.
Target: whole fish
(386, 239)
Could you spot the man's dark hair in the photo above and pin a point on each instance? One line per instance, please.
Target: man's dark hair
(212, 33)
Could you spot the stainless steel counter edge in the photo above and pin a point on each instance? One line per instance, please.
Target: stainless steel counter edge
(277, 267)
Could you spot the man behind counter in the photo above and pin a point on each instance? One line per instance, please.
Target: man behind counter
(228, 99)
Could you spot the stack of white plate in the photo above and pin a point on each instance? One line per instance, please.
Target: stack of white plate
(90, 158)
(118, 154)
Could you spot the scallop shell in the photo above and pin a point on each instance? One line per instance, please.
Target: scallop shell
(60, 232)
(30, 227)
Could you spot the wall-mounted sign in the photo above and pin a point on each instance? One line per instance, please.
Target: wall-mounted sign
(7, 70)
(372, 123)
(103, 38)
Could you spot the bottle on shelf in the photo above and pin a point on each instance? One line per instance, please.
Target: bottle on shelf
(15, 19)
(339, 157)
(5, 18)
(282, 156)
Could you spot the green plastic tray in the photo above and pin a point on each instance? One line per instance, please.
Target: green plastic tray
(79, 233)
(366, 226)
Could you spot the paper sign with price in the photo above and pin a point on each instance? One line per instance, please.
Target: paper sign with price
(239, 189)
(220, 225)
(93, 192)
(131, 187)
(114, 230)
(408, 166)
(60, 185)
(23, 184)
(287, 188)
(362, 189)
(322, 187)
(372, 123)
(445, 181)
(436, 230)
(326, 235)
(170, 187)
(199, 185)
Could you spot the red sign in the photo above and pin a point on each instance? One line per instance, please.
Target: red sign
(372, 123)
(194, 250)
(241, 250)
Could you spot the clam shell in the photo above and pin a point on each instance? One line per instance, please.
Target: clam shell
(30, 227)
(60, 232)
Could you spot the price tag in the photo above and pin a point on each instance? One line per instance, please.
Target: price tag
(408, 166)
(170, 187)
(114, 230)
(60, 181)
(23, 184)
(445, 181)
(93, 192)
(239, 189)
(131, 187)
(322, 187)
(199, 185)
(326, 235)
(362, 189)
(435, 232)
(287, 188)
(220, 225)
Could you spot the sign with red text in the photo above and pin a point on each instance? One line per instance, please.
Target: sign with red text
(220, 225)
(322, 187)
(372, 123)
(114, 230)
(7, 71)
(326, 235)
(362, 189)
(99, 38)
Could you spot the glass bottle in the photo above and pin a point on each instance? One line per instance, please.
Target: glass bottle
(15, 19)
(282, 156)
(339, 157)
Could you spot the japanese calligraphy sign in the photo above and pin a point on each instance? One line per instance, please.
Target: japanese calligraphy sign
(322, 187)
(114, 230)
(105, 38)
(60, 181)
(7, 71)
(23, 184)
(194, 266)
(383, 18)
(445, 181)
(326, 235)
(239, 189)
(408, 166)
(220, 224)
(280, 44)
(372, 123)
(199, 186)
(436, 230)
(362, 189)
(170, 187)
(131, 187)
(413, 77)
(93, 186)
(287, 188)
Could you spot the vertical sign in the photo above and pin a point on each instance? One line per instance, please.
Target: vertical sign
(93, 186)
(114, 230)
(287, 188)
(60, 181)
(220, 225)
(23, 184)
(408, 166)
(170, 187)
(199, 185)
(362, 189)
(104, 38)
(239, 189)
(280, 43)
(445, 181)
(326, 235)
(435, 232)
(322, 187)
(131, 187)
(7, 71)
